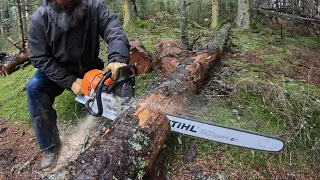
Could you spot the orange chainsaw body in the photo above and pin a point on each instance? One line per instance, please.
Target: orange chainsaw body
(91, 80)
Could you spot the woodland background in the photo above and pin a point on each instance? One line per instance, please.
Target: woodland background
(267, 81)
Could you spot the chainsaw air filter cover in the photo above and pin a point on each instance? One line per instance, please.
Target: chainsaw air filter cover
(91, 80)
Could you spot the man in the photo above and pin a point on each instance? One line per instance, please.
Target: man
(63, 43)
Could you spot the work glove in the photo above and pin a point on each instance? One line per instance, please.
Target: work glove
(113, 66)
(77, 87)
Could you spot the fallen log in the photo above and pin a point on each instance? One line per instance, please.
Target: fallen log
(131, 144)
(10, 64)
(290, 22)
(140, 56)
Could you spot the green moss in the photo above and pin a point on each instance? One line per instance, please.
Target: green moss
(68, 110)
(144, 82)
(304, 41)
(13, 100)
(141, 24)
(246, 41)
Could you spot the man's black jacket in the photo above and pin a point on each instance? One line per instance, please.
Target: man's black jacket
(64, 55)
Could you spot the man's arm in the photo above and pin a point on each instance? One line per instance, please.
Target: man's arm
(40, 55)
(112, 32)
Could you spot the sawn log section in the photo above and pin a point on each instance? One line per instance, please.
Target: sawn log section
(133, 141)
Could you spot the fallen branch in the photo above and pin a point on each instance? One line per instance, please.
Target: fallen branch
(285, 15)
(15, 44)
(9, 64)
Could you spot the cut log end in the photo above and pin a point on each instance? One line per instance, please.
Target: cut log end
(140, 57)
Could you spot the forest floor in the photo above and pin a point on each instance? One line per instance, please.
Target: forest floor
(262, 83)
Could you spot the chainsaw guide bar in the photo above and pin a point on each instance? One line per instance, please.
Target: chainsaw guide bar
(203, 130)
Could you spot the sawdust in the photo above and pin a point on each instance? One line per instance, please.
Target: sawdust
(76, 139)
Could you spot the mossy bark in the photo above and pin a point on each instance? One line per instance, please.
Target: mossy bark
(215, 13)
(129, 146)
(243, 17)
(128, 12)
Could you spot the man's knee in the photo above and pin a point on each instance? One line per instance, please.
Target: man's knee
(32, 86)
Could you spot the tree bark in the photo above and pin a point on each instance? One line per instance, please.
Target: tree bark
(130, 146)
(135, 9)
(128, 12)
(140, 57)
(21, 22)
(243, 17)
(184, 24)
(215, 13)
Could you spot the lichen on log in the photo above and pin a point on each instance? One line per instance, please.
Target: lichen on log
(129, 147)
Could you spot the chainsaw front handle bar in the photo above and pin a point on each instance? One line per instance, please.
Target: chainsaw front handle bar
(99, 88)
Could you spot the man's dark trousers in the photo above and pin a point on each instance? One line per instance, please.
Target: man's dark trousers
(41, 93)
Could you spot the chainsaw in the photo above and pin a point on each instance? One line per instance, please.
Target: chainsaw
(99, 100)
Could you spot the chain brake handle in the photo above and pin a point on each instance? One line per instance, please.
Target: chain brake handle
(127, 74)
(100, 87)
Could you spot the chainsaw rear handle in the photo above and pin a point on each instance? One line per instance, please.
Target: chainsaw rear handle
(100, 87)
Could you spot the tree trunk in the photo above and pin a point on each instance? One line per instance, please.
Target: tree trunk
(128, 12)
(131, 144)
(25, 16)
(21, 22)
(184, 24)
(135, 9)
(140, 57)
(270, 3)
(6, 26)
(243, 17)
(215, 13)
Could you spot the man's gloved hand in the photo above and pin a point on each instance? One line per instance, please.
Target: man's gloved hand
(113, 66)
(77, 87)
